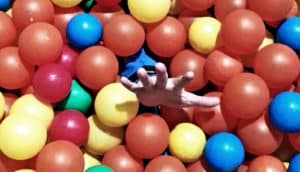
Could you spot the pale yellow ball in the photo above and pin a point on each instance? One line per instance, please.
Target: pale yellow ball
(203, 34)
(115, 105)
(89, 161)
(31, 107)
(21, 137)
(187, 142)
(66, 3)
(9, 12)
(101, 138)
(149, 11)
(25, 170)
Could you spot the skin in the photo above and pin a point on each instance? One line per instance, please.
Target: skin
(161, 90)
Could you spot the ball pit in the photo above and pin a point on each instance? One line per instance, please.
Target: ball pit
(63, 108)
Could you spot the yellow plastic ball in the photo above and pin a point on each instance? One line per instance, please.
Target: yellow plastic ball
(115, 105)
(149, 11)
(89, 161)
(2, 105)
(286, 165)
(66, 3)
(28, 105)
(203, 34)
(21, 137)
(9, 12)
(187, 142)
(101, 138)
(268, 40)
(25, 170)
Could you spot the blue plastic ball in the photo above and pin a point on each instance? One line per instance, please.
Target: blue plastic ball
(288, 33)
(224, 152)
(84, 30)
(284, 111)
(5, 5)
(294, 165)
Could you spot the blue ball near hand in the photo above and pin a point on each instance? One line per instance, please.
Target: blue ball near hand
(84, 30)
(284, 111)
(224, 152)
(288, 33)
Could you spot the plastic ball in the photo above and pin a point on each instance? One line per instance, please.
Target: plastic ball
(25, 170)
(115, 106)
(279, 10)
(165, 164)
(31, 107)
(60, 156)
(123, 27)
(149, 11)
(266, 163)
(174, 116)
(252, 131)
(22, 138)
(89, 27)
(288, 33)
(40, 43)
(213, 120)
(294, 140)
(99, 168)
(198, 166)
(233, 26)
(108, 3)
(96, 67)
(239, 102)
(203, 34)
(102, 138)
(90, 161)
(15, 73)
(68, 59)
(147, 136)
(283, 111)
(5, 5)
(167, 37)
(105, 14)
(278, 65)
(26, 12)
(8, 33)
(188, 60)
(196, 5)
(66, 3)
(78, 99)
(2, 105)
(294, 163)
(229, 149)
(119, 159)
(224, 7)
(69, 125)
(220, 67)
(187, 142)
(9, 99)
(52, 83)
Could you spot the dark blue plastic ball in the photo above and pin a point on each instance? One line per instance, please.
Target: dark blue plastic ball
(84, 30)
(224, 152)
(288, 33)
(5, 5)
(284, 111)
(294, 164)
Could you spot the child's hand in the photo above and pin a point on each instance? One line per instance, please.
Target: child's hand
(161, 90)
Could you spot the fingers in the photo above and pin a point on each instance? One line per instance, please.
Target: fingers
(204, 101)
(181, 81)
(142, 74)
(161, 75)
(128, 84)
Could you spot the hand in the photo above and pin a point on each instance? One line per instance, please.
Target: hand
(161, 90)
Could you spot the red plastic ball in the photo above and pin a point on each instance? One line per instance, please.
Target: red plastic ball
(188, 60)
(108, 3)
(245, 96)
(266, 163)
(278, 65)
(242, 22)
(70, 125)
(119, 159)
(8, 32)
(212, 120)
(40, 43)
(224, 7)
(174, 116)
(68, 59)
(105, 14)
(197, 5)
(165, 164)
(11, 164)
(96, 67)
(60, 156)
(15, 73)
(25, 12)
(271, 10)
(147, 136)
(167, 37)
(294, 140)
(252, 131)
(52, 83)
(120, 28)
(199, 166)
